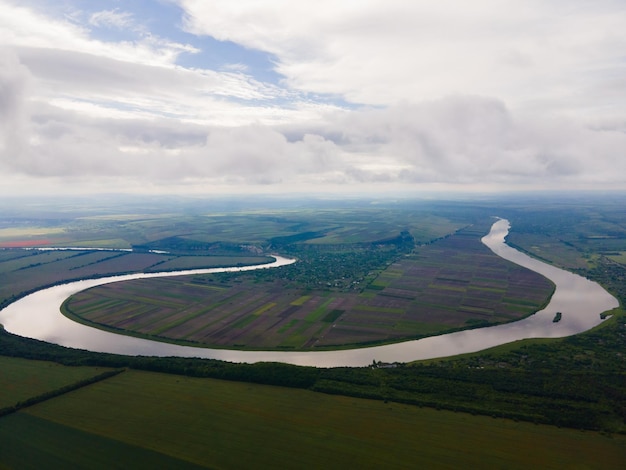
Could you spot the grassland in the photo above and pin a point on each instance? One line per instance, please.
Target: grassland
(221, 424)
(450, 284)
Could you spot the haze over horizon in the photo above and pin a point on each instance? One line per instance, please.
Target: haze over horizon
(201, 97)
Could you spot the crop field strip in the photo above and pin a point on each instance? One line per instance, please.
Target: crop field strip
(37, 259)
(7, 255)
(453, 283)
(194, 262)
(22, 270)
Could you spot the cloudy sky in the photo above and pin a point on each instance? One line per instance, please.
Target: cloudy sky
(270, 96)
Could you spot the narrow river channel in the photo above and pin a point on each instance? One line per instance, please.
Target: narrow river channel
(581, 302)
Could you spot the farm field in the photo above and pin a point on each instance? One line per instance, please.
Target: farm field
(21, 270)
(548, 248)
(209, 225)
(572, 234)
(208, 235)
(453, 283)
(218, 424)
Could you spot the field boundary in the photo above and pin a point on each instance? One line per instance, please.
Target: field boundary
(58, 392)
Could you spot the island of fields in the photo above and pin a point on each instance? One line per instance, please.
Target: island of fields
(450, 284)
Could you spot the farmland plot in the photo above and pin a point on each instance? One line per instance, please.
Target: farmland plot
(451, 284)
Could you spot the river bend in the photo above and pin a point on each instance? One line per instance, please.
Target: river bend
(581, 301)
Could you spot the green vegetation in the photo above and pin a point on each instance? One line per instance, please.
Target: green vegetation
(576, 382)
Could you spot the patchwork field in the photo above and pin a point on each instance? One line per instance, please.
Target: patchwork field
(21, 270)
(453, 283)
(205, 237)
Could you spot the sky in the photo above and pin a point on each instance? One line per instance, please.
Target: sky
(332, 96)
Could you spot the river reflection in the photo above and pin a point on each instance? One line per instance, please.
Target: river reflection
(581, 301)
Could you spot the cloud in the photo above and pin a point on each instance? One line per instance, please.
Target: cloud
(112, 19)
(14, 118)
(380, 52)
(488, 96)
(459, 140)
(135, 79)
(21, 26)
(475, 140)
(103, 86)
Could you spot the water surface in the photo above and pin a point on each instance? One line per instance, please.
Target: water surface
(580, 300)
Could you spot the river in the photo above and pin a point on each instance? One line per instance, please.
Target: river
(580, 300)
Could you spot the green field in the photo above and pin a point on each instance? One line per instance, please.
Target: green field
(235, 425)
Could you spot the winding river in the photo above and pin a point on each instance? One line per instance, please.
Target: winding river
(581, 301)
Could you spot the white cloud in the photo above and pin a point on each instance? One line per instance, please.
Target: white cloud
(14, 119)
(491, 95)
(112, 19)
(20, 26)
(468, 141)
(381, 52)
(136, 79)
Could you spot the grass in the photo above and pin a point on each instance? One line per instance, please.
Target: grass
(236, 425)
